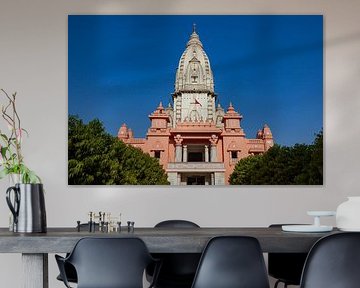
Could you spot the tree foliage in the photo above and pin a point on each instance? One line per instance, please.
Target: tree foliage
(97, 158)
(298, 165)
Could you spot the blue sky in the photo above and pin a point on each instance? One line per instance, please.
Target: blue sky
(269, 67)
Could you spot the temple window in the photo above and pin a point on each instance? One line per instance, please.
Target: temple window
(157, 154)
(194, 79)
(234, 155)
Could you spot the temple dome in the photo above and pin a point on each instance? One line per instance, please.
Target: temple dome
(194, 71)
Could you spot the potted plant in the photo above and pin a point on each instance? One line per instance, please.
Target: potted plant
(25, 197)
(11, 158)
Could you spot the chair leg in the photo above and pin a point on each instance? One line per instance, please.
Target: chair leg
(279, 281)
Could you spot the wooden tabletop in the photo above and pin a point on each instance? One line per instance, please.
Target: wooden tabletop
(158, 240)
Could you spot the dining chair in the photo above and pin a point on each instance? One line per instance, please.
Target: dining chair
(231, 262)
(333, 262)
(70, 271)
(108, 262)
(285, 267)
(177, 269)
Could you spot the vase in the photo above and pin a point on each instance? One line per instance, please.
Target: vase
(27, 205)
(14, 178)
(348, 215)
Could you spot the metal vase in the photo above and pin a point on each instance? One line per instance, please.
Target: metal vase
(28, 207)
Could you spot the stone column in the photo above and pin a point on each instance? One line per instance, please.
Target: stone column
(178, 153)
(213, 150)
(212, 175)
(213, 153)
(178, 148)
(206, 153)
(185, 153)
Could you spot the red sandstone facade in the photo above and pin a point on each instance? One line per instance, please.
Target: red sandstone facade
(196, 142)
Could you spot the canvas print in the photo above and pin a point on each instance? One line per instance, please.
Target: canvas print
(195, 100)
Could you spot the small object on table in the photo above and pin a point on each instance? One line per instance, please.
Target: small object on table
(108, 217)
(130, 226)
(100, 221)
(78, 226)
(316, 227)
(90, 221)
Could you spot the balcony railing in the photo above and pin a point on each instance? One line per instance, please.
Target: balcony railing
(195, 166)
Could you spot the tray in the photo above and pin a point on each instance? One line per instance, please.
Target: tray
(306, 228)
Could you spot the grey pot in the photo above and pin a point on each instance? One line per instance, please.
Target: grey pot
(27, 207)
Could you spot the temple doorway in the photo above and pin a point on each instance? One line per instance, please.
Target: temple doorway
(195, 180)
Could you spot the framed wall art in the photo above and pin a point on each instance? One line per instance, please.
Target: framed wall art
(195, 100)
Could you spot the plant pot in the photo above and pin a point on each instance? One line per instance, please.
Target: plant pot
(348, 215)
(28, 208)
(14, 178)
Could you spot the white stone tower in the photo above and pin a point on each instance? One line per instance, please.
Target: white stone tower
(194, 97)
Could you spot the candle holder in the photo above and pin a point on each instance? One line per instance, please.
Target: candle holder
(315, 227)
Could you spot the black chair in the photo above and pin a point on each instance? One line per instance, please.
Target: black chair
(286, 267)
(69, 269)
(333, 262)
(232, 262)
(108, 262)
(176, 224)
(178, 269)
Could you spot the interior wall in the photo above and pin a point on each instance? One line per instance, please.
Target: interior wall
(33, 62)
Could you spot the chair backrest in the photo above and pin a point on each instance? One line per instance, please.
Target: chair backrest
(333, 262)
(231, 262)
(110, 262)
(176, 224)
(286, 266)
(177, 268)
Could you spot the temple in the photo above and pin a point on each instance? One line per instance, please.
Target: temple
(195, 140)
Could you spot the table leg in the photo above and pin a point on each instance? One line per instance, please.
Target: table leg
(35, 270)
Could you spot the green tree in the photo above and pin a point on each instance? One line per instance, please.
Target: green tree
(315, 167)
(300, 165)
(245, 168)
(97, 158)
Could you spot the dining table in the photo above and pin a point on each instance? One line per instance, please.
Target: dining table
(35, 247)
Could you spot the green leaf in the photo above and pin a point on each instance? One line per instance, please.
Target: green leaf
(4, 137)
(33, 178)
(4, 173)
(26, 132)
(3, 151)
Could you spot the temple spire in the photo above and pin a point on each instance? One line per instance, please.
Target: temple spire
(194, 71)
(194, 28)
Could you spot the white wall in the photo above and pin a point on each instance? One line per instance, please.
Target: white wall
(33, 62)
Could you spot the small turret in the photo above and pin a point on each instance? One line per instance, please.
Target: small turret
(232, 119)
(266, 135)
(123, 132)
(159, 118)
